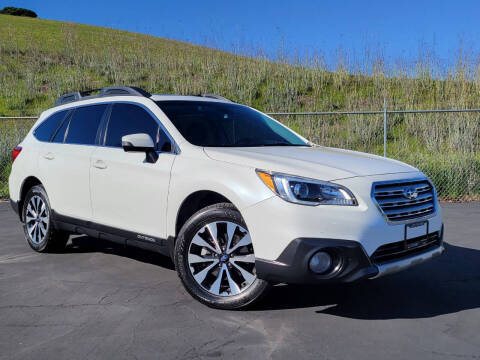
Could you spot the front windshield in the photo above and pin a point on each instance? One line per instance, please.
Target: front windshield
(208, 123)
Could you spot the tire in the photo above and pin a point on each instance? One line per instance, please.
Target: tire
(38, 227)
(222, 265)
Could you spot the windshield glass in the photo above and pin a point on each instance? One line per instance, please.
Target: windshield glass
(206, 123)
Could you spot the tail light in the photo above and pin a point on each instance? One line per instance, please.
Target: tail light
(16, 150)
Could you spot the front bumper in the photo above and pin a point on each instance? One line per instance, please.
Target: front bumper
(292, 265)
(403, 264)
(273, 223)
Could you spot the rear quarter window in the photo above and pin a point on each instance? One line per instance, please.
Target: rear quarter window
(47, 128)
(84, 124)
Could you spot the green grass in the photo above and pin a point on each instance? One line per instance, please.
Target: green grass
(41, 59)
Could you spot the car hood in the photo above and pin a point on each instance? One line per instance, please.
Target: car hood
(317, 162)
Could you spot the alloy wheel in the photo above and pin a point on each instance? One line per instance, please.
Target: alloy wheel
(36, 219)
(221, 258)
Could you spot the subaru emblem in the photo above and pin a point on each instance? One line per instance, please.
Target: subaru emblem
(410, 193)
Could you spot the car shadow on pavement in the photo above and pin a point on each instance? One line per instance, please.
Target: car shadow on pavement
(447, 284)
(86, 244)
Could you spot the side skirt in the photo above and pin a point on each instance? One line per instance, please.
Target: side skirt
(119, 236)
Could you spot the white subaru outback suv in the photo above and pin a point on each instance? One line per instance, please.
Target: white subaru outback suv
(238, 200)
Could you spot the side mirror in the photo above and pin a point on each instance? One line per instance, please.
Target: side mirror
(140, 143)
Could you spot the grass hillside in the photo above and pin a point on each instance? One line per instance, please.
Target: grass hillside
(41, 59)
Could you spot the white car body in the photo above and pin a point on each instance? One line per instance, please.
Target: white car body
(107, 186)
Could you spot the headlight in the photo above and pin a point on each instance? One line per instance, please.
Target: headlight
(307, 191)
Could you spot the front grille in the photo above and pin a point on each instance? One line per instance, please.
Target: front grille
(401, 249)
(405, 200)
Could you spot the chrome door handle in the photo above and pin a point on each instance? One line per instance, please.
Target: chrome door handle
(49, 156)
(100, 164)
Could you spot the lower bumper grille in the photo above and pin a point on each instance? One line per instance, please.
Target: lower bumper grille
(402, 249)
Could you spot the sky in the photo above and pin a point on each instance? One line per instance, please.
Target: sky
(392, 29)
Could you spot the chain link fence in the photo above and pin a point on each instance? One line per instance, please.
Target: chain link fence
(12, 132)
(444, 144)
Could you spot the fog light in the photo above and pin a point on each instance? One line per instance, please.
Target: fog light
(320, 262)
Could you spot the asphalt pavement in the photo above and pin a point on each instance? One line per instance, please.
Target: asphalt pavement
(98, 300)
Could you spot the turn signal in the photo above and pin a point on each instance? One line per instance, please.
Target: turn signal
(267, 180)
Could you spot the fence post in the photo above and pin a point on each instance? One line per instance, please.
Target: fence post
(384, 127)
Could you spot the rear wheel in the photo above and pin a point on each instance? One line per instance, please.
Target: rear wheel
(215, 259)
(38, 228)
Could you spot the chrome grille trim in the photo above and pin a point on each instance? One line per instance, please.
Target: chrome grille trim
(395, 207)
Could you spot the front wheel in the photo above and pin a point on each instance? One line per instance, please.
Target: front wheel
(215, 260)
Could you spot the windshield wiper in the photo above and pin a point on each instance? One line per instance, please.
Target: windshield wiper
(278, 144)
(282, 143)
(273, 143)
(245, 144)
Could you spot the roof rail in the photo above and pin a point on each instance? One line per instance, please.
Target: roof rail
(214, 96)
(106, 91)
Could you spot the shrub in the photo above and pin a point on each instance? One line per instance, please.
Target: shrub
(9, 10)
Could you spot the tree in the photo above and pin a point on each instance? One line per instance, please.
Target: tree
(9, 10)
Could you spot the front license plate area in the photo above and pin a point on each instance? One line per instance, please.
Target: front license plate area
(416, 229)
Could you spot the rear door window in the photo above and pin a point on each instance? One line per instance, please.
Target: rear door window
(84, 124)
(127, 119)
(46, 129)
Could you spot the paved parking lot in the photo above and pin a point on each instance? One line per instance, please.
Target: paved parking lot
(99, 300)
